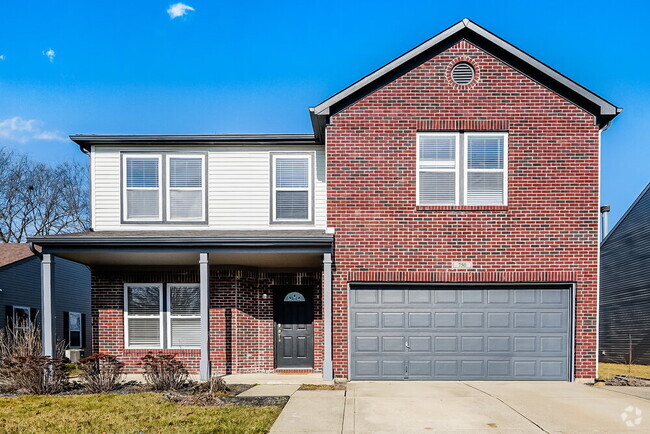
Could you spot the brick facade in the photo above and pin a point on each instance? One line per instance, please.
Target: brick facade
(548, 232)
(241, 315)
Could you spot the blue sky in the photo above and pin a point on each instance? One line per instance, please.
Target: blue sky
(246, 67)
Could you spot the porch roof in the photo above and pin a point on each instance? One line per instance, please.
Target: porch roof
(251, 247)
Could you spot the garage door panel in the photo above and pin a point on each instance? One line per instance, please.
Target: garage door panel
(460, 333)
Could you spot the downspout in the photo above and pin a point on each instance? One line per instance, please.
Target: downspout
(35, 252)
(604, 212)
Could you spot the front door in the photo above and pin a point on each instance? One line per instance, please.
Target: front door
(294, 328)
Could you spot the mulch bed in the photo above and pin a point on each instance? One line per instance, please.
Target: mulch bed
(627, 380)
(192, 394)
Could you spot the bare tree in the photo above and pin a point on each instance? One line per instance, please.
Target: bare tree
(40, 199)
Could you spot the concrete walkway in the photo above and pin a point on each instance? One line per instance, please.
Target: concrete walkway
(465, 406)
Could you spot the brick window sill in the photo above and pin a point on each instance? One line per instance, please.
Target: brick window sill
(461, 208)
(144, 351)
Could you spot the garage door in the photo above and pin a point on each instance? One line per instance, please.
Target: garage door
(459, 333)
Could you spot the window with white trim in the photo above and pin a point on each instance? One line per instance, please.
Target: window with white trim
(22, 320)
(162, 316)
(292, 187)
(143, 315)
(184, 301)
(142, 191)
(462, 168)
(74, 330)
(185, 187)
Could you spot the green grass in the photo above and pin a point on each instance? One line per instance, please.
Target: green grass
(608, 370)
(133, 413)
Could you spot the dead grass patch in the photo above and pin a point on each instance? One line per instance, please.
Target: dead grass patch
(608, 370)
(322, 387)
(141, 412)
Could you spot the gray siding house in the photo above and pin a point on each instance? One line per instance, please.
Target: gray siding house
(625, 287)
(20, 293)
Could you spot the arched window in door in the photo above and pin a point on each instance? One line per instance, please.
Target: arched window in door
(294, 296)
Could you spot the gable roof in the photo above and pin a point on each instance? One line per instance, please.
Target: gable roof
(603, 110)
(13, 252)
(645, 191)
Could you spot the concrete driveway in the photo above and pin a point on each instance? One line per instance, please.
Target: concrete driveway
(466, 406)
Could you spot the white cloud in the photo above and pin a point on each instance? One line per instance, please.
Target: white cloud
(50, 54)
(178, 10)
(2, 57)
(20, 130)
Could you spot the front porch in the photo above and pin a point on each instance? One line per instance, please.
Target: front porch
(221, 305)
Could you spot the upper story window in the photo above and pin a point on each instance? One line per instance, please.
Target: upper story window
(185, 188)
(143, 192)
(292, 193)
(462, 169)
(180, 197)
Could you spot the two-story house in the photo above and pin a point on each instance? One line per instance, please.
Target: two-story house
(441, 222)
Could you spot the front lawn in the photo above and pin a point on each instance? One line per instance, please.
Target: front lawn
(127, 413)
(608, 370)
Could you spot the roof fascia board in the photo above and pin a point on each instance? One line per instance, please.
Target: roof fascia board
(85, 141)
(324, 107)
(601, 108)
(182, 241)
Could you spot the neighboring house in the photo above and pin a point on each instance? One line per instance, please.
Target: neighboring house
(20, 294)
(440, 223)
(625, 287)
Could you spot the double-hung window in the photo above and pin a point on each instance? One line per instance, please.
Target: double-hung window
(292, 187)
(142, 190)
(462, 168)
(162, 316)
(164, 187)
(185, 188)
(184, 301)
(143, 320)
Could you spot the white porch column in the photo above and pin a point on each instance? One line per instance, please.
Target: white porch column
(47, 305)
(328, 372)
(204, 285)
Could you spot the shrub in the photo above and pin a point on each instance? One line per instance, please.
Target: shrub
(23, 368)
(164, 372)
(100, 372)
(38, 375)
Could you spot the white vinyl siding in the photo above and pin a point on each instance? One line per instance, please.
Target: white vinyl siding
(185, 187)
(184, 323)
(477, 161)
(238, 185)
(142, 200)
(143, 315)
(292, 187)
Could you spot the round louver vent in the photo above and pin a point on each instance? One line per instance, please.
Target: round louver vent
(462, 73)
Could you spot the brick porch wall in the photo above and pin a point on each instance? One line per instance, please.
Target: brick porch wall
(548, 232)
(241, 319)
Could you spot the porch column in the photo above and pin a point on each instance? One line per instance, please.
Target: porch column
(328, 373)
(204, 285)
(47, 305)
